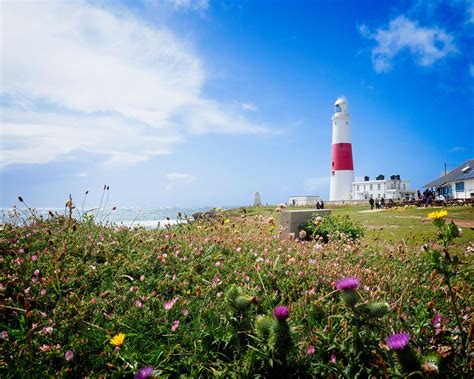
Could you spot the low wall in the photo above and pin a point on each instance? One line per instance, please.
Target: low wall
(292, 219)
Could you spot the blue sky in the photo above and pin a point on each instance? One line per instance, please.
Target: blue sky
(206, 102)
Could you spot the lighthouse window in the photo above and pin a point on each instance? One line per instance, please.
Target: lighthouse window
(337, 108)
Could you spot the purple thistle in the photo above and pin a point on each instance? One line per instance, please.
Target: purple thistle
(144, 372)
(281, 312)
(398, 341)
(347, 284)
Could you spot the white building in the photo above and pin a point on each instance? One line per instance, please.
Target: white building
(298, 201)
(456, 184)
(393, 188)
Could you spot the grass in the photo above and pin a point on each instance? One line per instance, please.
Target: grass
(69, 286)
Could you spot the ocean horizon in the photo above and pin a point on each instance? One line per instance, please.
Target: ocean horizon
(148, 217)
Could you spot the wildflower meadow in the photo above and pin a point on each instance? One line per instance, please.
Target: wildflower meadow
(227, 297)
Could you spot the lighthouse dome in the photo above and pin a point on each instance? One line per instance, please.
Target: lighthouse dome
(341, 106)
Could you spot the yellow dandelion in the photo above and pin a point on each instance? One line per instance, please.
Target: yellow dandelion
(437, 215)
(117, 340)
(227, 221)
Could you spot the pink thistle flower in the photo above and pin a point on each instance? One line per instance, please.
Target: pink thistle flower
(281, 312)
(69, 355)
(347, 283)
(333, 358)
(175, 325)
(310, 350)
(144, 373)
(398, 341)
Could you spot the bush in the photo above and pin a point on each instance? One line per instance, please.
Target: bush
(340, 227)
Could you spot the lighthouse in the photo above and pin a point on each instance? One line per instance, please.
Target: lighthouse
(342, 167)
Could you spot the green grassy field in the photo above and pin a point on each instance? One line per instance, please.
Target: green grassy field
(409, 226)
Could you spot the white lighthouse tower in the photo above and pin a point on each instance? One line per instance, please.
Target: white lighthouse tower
(342, 167)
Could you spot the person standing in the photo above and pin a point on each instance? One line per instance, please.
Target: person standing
(377, 203)
(382, 202)
(371, 202)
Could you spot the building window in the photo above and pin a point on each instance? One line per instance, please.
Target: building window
(379, 187)
(392, 186)
(364, 187)
(371, 187)
(357, 187)
(460, 187)
(404, 186)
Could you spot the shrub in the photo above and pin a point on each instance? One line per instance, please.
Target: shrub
(340, 227)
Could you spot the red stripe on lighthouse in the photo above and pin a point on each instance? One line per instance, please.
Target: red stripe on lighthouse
(342, 156)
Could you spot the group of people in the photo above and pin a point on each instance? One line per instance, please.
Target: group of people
(379, 204)
(320, 204)
(428, 197)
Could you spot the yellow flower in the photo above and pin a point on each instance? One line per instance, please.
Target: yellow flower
(117, 340)
(227, 221)
(437, 215)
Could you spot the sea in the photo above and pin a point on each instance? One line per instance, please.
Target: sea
(149, 218)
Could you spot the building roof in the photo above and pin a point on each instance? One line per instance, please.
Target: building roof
(454, 175)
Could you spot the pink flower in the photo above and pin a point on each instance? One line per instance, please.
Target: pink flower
(175, 325)
(69, 355)
(19, 261)
(168, 305)
(47, 330)
(142, 278)
(185, 312)
(4, 335)
(333, 358)
(138, 303)
(239, 249)
(36, 272)
(42, 292)
(93, 300)
(347, 283)
(281, 312)
(310, 350)
(34, 258)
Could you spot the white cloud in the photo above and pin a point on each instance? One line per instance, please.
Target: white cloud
(81, 78)
(249, 107)
(191, 4)
(426, 45)
(457, 149)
